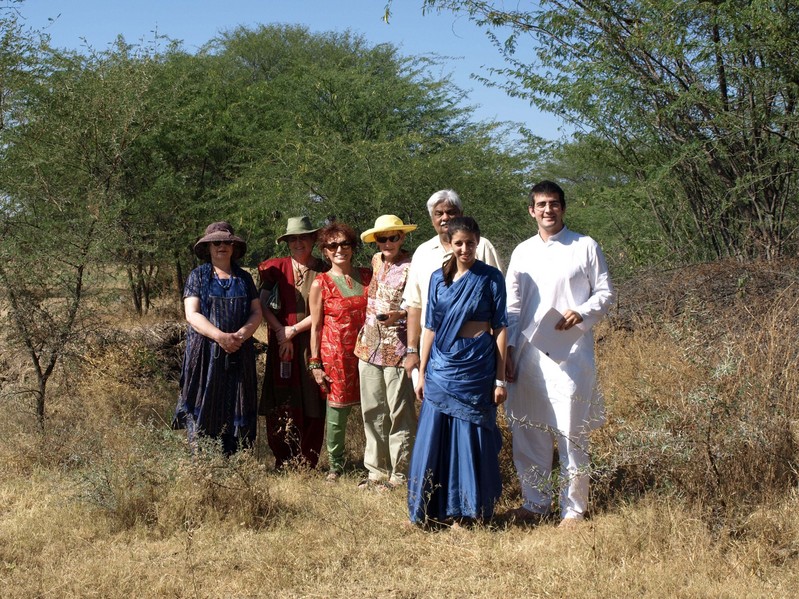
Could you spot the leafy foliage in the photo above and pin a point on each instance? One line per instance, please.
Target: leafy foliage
(114, 161)
(698, 99)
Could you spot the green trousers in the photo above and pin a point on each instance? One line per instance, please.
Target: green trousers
(336, 436)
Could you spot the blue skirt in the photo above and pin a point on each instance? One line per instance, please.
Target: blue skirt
(454, 470)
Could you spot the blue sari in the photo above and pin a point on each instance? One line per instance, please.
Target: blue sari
(454, 470)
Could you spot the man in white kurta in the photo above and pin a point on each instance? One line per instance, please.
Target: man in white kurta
(443, 206)
(548, 401)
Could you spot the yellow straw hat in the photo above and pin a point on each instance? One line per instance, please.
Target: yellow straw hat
(387, 222)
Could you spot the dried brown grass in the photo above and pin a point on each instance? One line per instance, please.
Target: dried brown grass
(695, 482)
(703, 392)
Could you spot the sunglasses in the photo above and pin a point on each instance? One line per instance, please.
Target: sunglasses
(218, 243)
(333, 246)
(380, 239)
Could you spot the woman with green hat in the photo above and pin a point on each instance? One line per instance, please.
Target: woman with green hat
(290, 398)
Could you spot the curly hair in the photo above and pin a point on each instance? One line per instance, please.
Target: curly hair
(333, 230)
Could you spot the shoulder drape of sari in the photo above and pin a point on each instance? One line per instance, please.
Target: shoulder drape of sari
(460, 374)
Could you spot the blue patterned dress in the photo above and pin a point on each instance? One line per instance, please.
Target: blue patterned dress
(218, 391)
(454, 470)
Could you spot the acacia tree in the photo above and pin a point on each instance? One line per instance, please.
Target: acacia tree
(64, 185)
(331, 126)
(699, 99)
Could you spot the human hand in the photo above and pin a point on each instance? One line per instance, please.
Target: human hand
(510, 369)
(393, 317)
(230, 342)
(286, 350)
(420, 388)
(570, 318)
(500, 395)
(321, 379)
(410, 363)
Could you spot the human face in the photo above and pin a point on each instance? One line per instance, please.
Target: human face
(300, 246)
(464, 246)
(442, 214)
(547, 211)
(338, 250)
(221, 252)
(390, 245)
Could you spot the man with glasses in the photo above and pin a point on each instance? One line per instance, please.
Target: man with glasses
(443, 206)
(549, 400)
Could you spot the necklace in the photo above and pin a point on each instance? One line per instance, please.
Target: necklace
(224, 283)
(300, 273)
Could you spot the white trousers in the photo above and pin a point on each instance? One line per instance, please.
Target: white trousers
(389, 421)
(533, 450)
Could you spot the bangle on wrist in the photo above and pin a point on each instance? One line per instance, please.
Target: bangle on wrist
(411, 350)
(315, 363)
(294, 329)
(500, 384)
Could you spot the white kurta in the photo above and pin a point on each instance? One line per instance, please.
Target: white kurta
(427, 259)
(566, 272)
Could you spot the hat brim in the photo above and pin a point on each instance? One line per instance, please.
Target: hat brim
(293, 233)
(368, 236)
(201, 247)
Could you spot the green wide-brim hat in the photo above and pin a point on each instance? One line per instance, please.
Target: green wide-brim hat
(298, 225)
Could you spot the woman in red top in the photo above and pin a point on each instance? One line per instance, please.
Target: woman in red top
(338, 308)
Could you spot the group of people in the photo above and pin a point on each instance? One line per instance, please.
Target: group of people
(444, 327)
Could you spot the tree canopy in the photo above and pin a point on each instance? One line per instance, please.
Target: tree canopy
(114, 161)
(697, 99)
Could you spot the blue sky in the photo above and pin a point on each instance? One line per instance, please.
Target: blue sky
(76, 23)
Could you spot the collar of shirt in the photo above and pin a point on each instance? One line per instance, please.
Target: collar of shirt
(555, 237)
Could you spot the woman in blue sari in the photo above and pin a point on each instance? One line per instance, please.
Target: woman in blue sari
(454, 472)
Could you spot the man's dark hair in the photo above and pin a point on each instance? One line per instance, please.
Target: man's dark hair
(548, 188)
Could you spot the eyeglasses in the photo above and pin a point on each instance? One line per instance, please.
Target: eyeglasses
(334, 245)
(218, 243)
(393, 238)
(542, 206)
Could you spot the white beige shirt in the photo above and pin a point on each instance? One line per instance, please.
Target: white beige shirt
(427, 259)
(568, 272)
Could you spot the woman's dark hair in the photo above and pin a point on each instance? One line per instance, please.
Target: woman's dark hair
(335, 229)
(464, 224)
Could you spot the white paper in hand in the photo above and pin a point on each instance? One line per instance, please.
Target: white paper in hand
(553, 343)
(415, 377)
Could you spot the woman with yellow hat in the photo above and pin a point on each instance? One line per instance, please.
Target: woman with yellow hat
(387, 397)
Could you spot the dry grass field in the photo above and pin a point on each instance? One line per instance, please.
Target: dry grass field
(694, 482)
